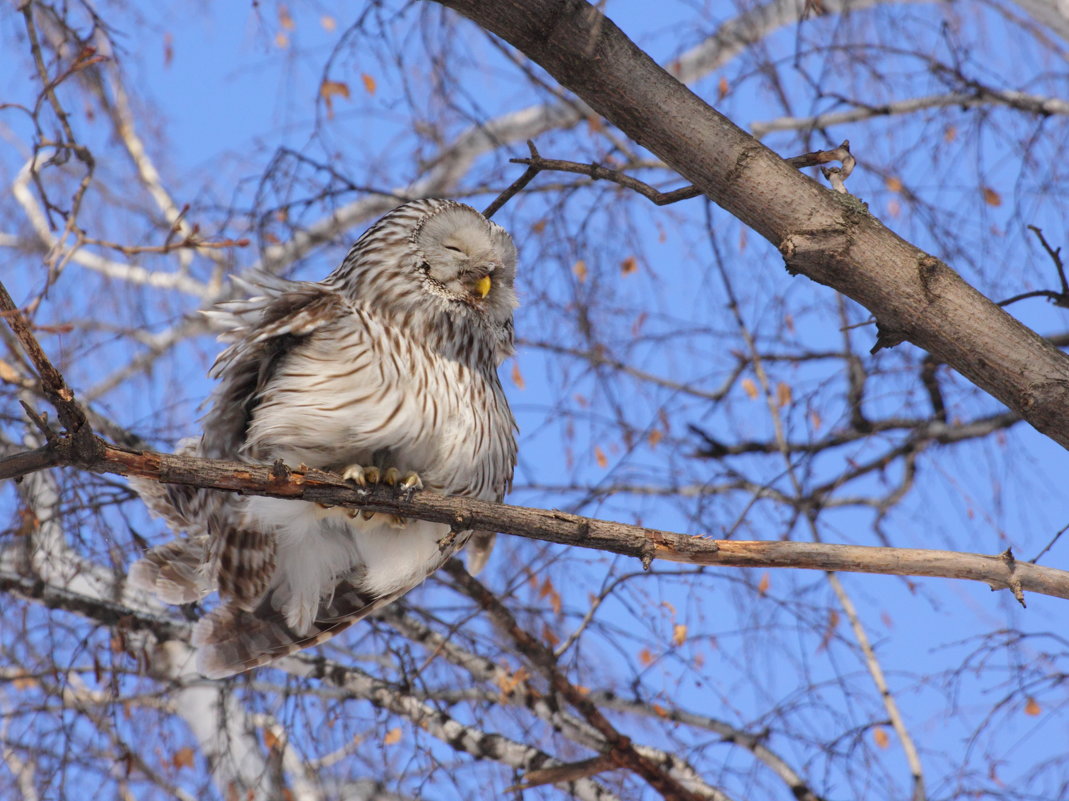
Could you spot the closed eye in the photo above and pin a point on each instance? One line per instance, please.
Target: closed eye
(454, 249)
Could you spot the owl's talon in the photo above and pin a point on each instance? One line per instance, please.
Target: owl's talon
(356, 474)
(391, 476)
(396, 521)
(411, 481)
(367, 514)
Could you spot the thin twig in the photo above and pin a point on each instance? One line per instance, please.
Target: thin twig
(620, 746)
(600, 173)
(55, 387)
(809, 513)
(1050, 544)
(1058, 298)
(836, 175)
(515, 187)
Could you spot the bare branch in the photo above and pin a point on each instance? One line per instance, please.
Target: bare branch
(836, 175)
(59, 394)
(1022, 101)
(826, 236)
(515, 187)
(639, 542)
(600, 173)
(1059, 297)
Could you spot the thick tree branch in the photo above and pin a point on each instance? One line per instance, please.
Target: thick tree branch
(826, 236)
(278, 481)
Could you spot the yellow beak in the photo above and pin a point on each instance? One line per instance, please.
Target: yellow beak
(482, 286)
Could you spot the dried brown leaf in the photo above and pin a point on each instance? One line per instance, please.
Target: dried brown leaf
(600, 458)
(783, 394)
(679, 634)
(183, 758)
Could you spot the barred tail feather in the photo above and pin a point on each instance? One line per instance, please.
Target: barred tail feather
(231, 640)
(174, 571)
(245, 563)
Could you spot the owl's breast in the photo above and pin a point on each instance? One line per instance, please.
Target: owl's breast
(464, 439)
(375, 397)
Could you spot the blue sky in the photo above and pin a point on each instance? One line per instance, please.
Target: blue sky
(230, 86)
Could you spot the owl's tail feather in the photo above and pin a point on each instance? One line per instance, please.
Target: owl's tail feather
(480, 546)
(174, 571)
(231, 640)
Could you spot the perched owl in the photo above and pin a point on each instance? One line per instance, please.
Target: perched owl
(386, 371)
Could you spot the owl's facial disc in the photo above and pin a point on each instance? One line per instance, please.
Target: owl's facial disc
(469, 260)
(463, 261)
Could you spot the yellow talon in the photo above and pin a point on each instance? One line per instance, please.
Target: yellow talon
(482, 286)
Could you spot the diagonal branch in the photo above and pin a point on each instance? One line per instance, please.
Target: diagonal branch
(827, 236)
(621, 749)
(55, 387)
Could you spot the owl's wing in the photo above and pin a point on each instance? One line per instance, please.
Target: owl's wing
(217, 554)
(262, 330)
(174, 571)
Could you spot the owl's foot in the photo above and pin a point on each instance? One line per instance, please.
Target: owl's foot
(391, 477)
(406, 483)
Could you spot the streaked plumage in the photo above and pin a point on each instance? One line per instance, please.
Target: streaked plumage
(390, 362)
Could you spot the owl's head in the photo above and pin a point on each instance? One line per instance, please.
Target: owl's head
(467, 261)
(442, 271)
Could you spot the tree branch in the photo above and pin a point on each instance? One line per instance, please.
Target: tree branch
(642, 543)
(827, 236)
(621, 749)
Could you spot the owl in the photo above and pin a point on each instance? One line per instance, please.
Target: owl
(384, 372)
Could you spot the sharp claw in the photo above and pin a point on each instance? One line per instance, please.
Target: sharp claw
(372, 475)
(366, 514)
(357, 474)
(411, 481)
(391, 476)
(396, 521)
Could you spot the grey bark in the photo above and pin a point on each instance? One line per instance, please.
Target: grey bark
(828, 237)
